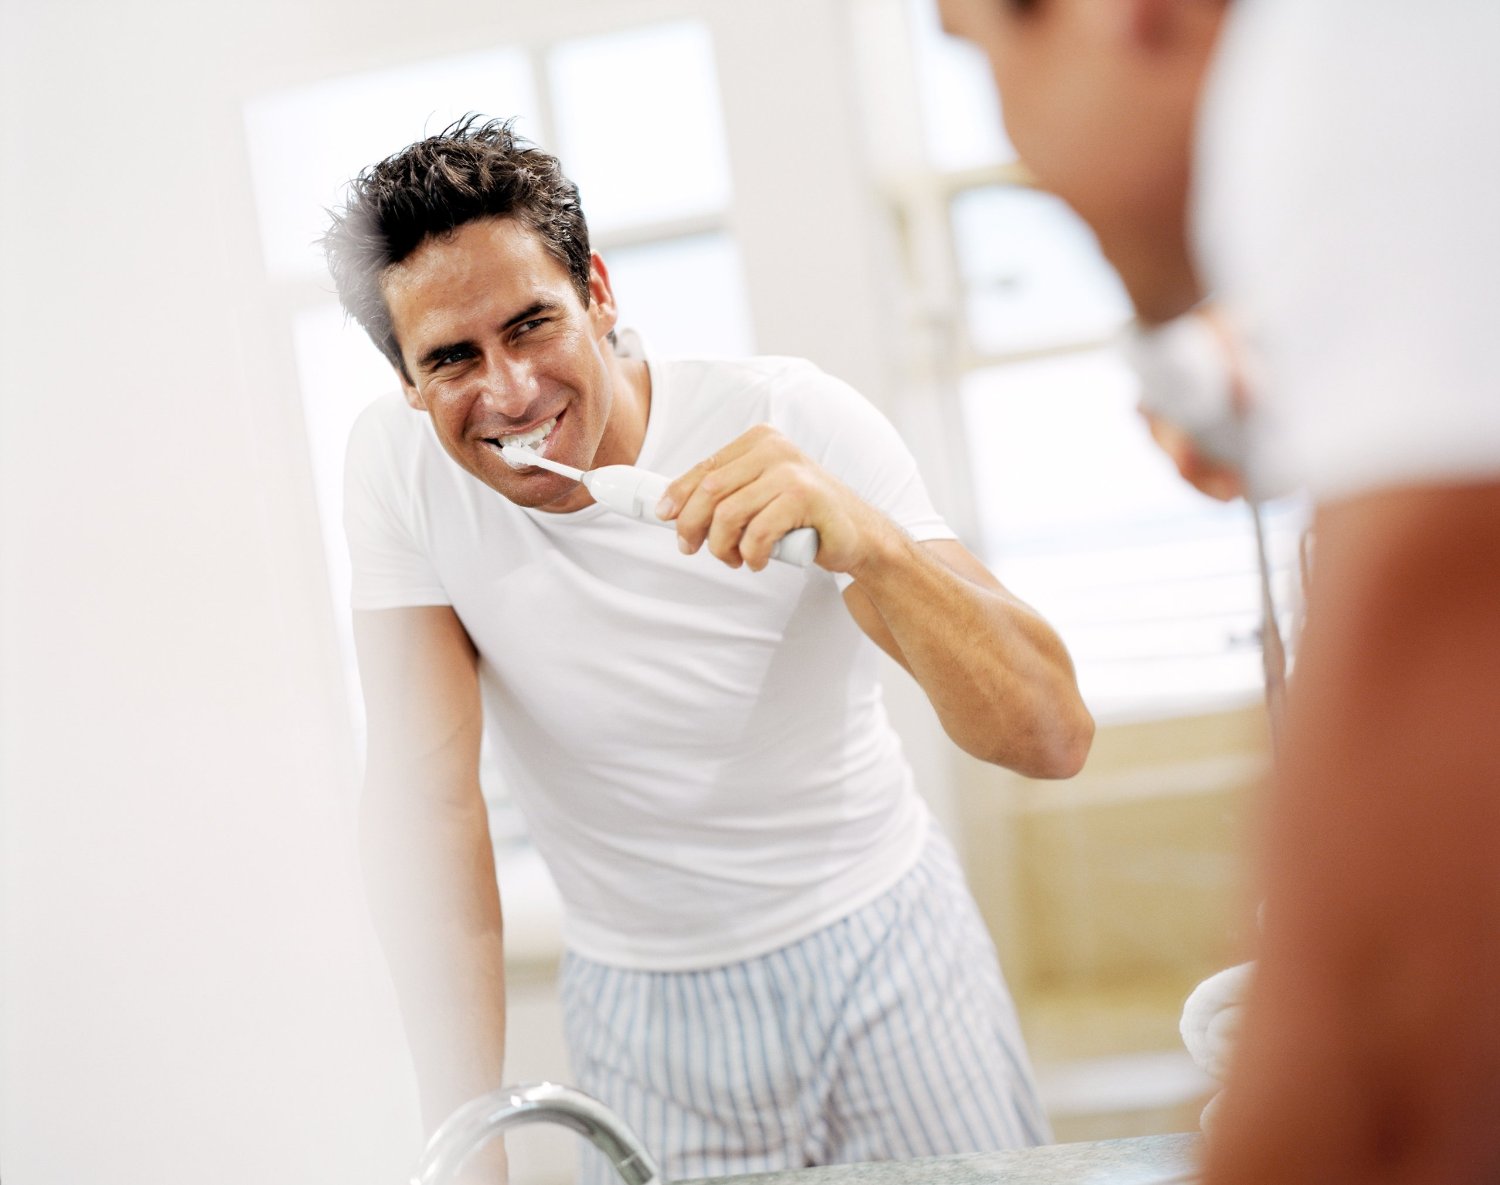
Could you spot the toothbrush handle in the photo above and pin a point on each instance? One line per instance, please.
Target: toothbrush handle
(633, 491)
(799, 547)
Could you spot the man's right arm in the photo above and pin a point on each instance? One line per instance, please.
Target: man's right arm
(425, 846)
(1371, 1049)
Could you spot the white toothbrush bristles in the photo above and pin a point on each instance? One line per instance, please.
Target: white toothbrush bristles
(521, 456)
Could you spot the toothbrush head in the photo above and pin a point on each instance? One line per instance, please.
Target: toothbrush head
(523, 456)
(518, 456)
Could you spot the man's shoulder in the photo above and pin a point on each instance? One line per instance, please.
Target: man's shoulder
(387, 415)
(764, 388)
(744, 372)
(386, 429)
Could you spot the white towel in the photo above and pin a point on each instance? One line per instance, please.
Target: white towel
(1211, 1022)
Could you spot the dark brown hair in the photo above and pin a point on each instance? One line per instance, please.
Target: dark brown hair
(470, 170)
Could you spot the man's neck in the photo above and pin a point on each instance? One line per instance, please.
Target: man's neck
(629, 413)
(1160, 279)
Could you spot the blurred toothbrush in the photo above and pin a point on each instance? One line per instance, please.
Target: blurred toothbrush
(630, 490)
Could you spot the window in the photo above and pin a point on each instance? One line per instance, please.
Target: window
(305, 144)
(1032, 275)
(960, 118)
(641, 97)
(1153, 586)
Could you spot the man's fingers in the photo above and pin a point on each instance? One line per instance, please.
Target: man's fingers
(696, 513)
(1219, 481)
(784, 513)
(722, 502)
(682, 488)
(747, 524)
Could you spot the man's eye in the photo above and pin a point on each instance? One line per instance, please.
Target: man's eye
(450, 356)
(527, 326)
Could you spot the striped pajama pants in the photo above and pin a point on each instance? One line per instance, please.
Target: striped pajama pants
(887, 1035)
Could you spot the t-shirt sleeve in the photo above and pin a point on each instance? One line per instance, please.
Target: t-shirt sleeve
(845, 433)
(1351, 225)
(390, 567)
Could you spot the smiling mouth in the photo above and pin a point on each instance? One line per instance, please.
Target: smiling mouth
(532, 438)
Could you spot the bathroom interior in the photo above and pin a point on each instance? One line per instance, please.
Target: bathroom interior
(830, 180)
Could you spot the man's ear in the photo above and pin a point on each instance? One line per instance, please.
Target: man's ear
(414, 398)
(602, 311)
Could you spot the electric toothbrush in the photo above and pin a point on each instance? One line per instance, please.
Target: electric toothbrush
(629, 490)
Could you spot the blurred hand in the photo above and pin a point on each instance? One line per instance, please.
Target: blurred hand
(1214, 478)
(1194, 398)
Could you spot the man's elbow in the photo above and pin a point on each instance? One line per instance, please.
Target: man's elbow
(1068, 747)
(1062, 748)
(1054, 747)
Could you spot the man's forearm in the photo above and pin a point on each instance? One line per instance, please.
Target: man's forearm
(997, 675)
(430, 874)
(999, 678)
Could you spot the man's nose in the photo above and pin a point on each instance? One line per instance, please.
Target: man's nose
(508, 387)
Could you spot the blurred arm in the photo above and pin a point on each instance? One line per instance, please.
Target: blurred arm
(1372, 1044)
(429, 865)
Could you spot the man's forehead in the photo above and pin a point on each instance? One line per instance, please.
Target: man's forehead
(493, 255)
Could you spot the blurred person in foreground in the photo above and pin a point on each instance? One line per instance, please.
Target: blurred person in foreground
(1330, 173)
(772, 959)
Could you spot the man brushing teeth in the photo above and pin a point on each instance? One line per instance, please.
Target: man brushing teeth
(700, 752)
(533, 440)
(496, 338)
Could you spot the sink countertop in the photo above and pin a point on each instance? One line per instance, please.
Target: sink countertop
(1142, 1160)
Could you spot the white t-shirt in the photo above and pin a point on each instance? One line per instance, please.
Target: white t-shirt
(701, 753)
(1348, 220)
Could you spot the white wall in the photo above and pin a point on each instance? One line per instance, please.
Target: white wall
(189, 992)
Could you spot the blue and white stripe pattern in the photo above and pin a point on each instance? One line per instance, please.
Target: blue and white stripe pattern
(888, 1035)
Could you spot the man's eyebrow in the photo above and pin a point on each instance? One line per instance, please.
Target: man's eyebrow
(426, 361)
(531, 310)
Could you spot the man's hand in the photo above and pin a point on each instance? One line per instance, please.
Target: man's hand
(1195, 397)
(998, 677)
(1207, 476)
(755, 489)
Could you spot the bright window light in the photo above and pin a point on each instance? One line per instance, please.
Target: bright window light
(1057, 450)
(305, 144)
(960, 109)
(685, 296)
(1032, 273)
(639, 127)
(1153, 585)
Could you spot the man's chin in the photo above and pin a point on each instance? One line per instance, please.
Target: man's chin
(540, 491)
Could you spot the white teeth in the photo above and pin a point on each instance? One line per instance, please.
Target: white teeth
(535, 436)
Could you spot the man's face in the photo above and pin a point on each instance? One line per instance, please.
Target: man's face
(498, 344)
(1099, 99)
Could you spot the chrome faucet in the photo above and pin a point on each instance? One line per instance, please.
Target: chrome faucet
(543, 1102)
